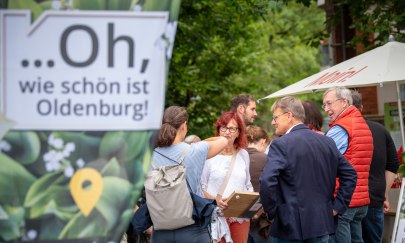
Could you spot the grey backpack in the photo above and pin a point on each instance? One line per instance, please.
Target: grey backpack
(168, 197)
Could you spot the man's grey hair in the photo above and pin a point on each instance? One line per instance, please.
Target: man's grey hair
(190, 139)
(290, 104)
(341, 93)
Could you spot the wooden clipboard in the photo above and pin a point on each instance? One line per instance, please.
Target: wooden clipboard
(243, 204)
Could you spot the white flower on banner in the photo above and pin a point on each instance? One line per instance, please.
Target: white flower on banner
(69, 171)
(53, 158)
(80, 163)
(55, 142)
(4, 146)
(56, 4)
(69, 148)
(32, 234)
(137, 8)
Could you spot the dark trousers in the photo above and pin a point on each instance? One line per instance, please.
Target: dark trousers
(190, 234)
(320, 239)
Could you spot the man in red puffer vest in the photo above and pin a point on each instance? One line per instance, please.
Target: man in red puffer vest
(353, 138)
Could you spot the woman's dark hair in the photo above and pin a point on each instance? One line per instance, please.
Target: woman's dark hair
(224, 119)
(313, 117)
(173, 117)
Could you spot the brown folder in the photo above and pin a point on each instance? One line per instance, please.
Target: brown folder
(243, 204)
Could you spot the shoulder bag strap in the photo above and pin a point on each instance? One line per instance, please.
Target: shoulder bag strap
(228, 174)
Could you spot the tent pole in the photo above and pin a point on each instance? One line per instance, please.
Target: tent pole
(400, 116)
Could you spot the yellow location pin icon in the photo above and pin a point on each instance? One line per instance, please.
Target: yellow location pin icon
(86, 187)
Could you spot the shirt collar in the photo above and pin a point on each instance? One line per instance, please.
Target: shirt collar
(289, 130)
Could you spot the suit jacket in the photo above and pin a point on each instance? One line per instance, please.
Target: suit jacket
(298, 181)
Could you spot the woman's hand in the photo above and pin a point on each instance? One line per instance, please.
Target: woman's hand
(221, 203)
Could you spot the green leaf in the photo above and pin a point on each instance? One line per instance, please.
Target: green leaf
(50, 195)
(401, 170)
(113, 145)
(89, 5)
(15, 182)
(122, 224)
(94, 225)
(112, 168)
(137, 142)
(38, 190)
(124, 146)
(46, 5)
(157, 5)
(51, 227)
(26, 4)
(25, 146)
(147, 160)
(102, 4)
(10, 227)
(116, 197)
(118, 4)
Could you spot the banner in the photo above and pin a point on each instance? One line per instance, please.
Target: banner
(82, 88)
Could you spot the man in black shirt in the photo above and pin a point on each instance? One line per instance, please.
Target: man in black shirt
(383, 168)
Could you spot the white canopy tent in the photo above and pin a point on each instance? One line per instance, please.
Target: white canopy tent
(375, 67)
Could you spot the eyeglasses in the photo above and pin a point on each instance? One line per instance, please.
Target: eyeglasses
(328, 104)
(230, 129)
(274, 118)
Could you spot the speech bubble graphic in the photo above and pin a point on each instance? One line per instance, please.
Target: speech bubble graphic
(85, 70)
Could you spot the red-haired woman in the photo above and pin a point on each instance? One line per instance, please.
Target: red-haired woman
(230, 126)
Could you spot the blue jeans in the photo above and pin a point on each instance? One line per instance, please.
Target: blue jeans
(349, 226)
(373, 225)
(320, 239)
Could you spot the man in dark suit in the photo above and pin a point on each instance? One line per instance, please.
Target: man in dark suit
(298, 181)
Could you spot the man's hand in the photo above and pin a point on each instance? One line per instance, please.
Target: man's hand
(386, 205)
(334, 212)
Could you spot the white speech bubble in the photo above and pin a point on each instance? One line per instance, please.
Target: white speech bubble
(83, 70)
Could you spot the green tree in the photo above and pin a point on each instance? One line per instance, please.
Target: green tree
(376, 20)
(224, 48)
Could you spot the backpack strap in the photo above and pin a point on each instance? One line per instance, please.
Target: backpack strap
(180, 161)
(183, 155)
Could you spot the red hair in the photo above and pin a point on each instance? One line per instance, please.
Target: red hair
(224, 119)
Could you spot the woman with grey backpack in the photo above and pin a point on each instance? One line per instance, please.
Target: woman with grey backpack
(172, 151)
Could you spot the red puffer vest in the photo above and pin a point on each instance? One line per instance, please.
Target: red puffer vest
(358, 153)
